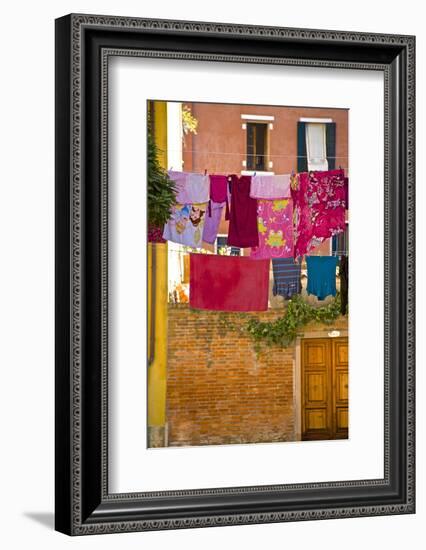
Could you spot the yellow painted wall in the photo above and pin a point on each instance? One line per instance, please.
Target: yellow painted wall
(157, 267)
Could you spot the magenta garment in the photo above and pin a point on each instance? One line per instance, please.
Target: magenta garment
(219, 193)
(190, 187)
(243, 216)
(270, 187)
(212, 221)
(275, 227)
(319, 207)
(218, 188)
(228, 283)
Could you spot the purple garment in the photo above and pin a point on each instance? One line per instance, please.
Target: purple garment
(212, 221)
(243, 217)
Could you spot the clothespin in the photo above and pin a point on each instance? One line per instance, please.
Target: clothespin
(205, 171)
(254, 174)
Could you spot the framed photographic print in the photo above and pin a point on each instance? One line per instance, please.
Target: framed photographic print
(234, 274)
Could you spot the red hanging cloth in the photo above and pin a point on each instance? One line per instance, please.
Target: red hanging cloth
(228, 283)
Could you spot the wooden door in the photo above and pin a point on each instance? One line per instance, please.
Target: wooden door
(325, 388)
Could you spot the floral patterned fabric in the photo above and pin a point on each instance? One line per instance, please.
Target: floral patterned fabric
(275, 228)
(186, 224)
(319, 207)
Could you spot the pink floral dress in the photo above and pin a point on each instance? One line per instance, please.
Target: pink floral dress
(320, 201)
(275, 228)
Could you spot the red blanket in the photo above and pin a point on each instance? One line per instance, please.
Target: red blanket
(228, 283)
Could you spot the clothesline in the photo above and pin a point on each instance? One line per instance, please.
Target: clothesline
(273, 217)
(250, 154)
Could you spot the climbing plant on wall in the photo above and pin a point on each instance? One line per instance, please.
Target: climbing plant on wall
(161, 191)
(283, 331)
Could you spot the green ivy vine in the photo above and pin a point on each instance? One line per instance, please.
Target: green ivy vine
(283, 331)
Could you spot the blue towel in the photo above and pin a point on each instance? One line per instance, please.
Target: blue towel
(286, 277)
(321, 275)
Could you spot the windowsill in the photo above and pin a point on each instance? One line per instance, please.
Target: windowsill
(257, 172)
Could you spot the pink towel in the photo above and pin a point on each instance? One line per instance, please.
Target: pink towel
(270, 187)
(190, 188)
(228, 283)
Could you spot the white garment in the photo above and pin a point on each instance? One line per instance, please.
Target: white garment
(190, 188)
(316, 148)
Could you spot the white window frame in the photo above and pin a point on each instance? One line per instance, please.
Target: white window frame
(258, 118)
(319, 120)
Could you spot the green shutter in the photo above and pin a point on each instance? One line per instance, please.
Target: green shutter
(302, 160)
(330, 135)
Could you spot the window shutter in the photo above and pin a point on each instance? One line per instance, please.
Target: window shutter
(302, 161)
(330, 135)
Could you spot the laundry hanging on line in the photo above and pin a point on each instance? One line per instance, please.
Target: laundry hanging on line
(212, 221)
(186, 224)
(219, 191)
(321, 276)
(344, 280)
(228, 283)
(319, 200)
(243, 216)
(219, 199)
(194, 188)
(191, 188)
(319, 207)
(275, 229)
(270, 187)
(286, 277)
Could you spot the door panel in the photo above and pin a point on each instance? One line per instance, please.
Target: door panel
(316, 354)
(325, 388)
(341, 385)
(316, 419)
(341, 351)
(316, 387)
(341, 418)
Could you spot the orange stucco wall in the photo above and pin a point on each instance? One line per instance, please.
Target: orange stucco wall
(220, 142)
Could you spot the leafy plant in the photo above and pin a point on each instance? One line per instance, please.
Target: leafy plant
(189, 122)
(161, 189)
(283, 331)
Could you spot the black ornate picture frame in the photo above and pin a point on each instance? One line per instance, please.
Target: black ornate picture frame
(84, 43)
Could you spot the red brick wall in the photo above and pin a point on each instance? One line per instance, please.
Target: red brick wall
(218, 390)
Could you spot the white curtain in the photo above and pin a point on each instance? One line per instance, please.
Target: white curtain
(316, 146)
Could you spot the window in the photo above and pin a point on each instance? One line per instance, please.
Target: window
(316, 150)
(316, 145)
(256, 146)
(223, 248)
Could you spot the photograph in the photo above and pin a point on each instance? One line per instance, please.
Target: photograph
(248, 272)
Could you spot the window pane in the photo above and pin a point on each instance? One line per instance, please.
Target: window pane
(256, 146)
(316, 146)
